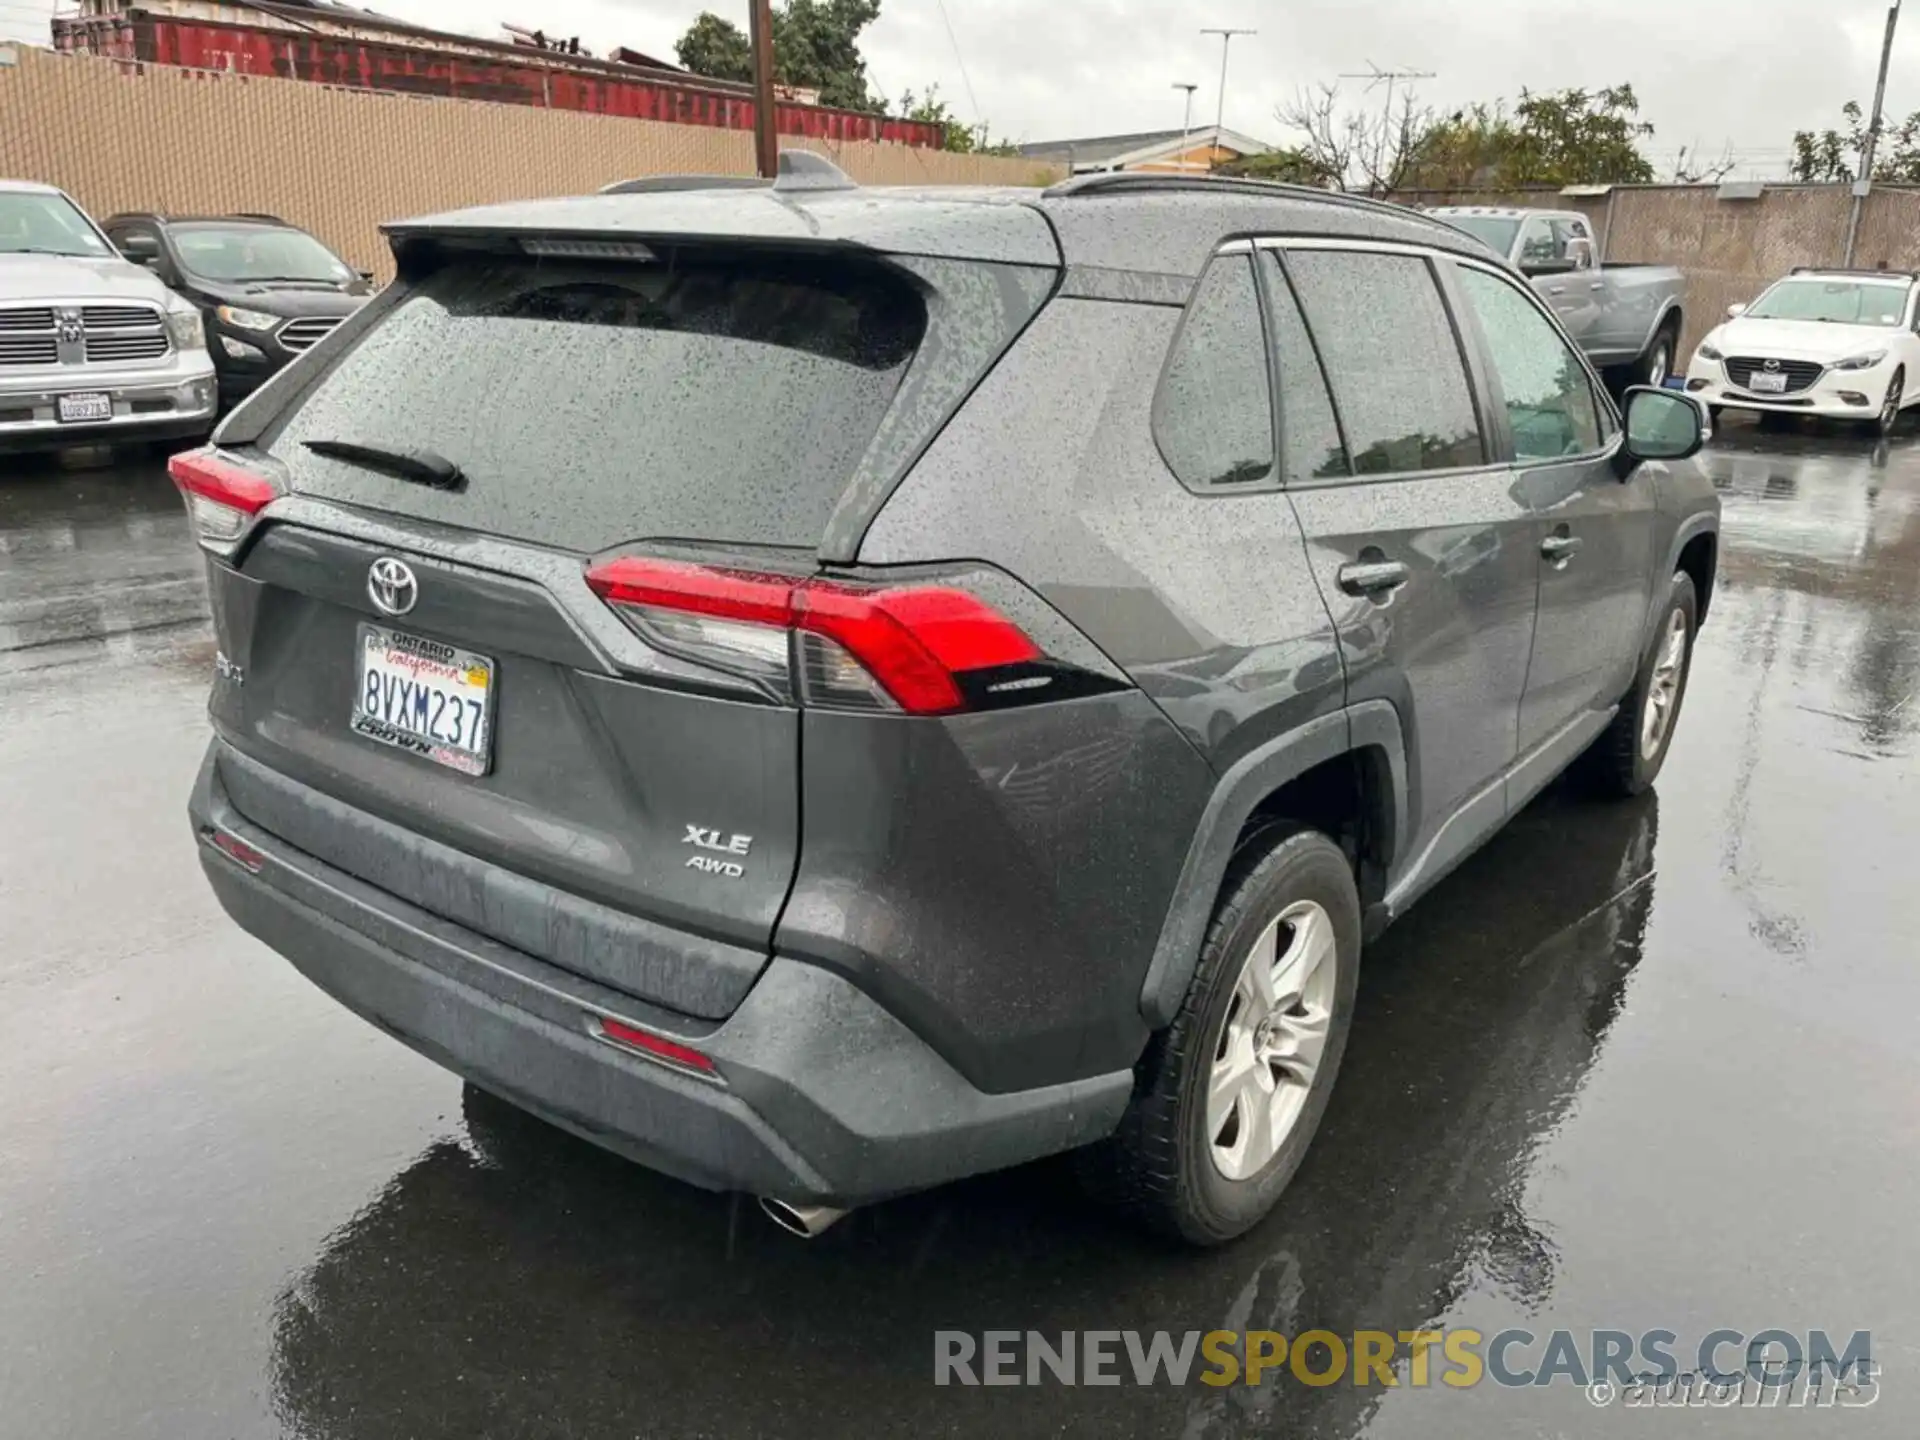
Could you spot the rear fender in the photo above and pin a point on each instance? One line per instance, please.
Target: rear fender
(1372, 727)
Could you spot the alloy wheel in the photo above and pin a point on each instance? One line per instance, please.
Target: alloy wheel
(1272, 1040)
(1663, 687)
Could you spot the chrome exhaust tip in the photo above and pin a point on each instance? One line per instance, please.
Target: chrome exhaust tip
(806, 1221)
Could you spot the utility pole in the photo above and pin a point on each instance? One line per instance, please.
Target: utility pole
(1186, 120)
(1864, 182)
(1226, 35)
(766, 144)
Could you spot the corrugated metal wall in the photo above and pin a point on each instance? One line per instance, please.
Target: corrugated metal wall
(119, 136)
(1730, 250)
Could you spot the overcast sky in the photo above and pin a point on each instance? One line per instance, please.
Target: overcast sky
(1709, 72)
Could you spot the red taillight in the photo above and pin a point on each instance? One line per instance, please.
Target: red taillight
(655, 1045)
(222, 498)
(912, 640)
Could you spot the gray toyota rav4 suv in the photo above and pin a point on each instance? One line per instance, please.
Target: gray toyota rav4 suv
(824, 691)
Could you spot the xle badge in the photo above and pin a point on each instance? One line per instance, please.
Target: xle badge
(713, 840)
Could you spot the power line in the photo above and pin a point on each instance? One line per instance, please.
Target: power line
(959, 60)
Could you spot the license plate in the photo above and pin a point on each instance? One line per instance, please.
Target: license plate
(420, 695)
(78, 409)
(1764, 382)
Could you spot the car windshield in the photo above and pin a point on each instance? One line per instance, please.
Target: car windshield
(37, 224)
(1489, 230)
(257, 252)
(1838, 302)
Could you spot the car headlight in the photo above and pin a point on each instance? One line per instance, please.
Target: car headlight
(186, 327)
(1707, 352)
(246, 319)
(1861, 362)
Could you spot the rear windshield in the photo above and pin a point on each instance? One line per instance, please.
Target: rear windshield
(591, 403)
(1491, 231)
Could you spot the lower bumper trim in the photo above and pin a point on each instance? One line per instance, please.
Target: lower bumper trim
(819, 1097)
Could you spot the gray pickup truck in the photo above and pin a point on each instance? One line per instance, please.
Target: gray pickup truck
(1626, 317)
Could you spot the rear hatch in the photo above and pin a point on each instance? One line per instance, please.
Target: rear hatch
(439, 695)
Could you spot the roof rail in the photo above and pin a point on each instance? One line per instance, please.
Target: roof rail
(655, 184)
(804, 170)
(256, 215)
(1854, 270)
(1108, 181)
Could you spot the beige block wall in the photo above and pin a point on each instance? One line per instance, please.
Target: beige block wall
(338, 162)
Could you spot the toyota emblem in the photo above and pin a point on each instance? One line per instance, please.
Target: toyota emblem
(391, 586)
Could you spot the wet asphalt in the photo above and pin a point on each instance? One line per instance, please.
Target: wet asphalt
(1635, 1066)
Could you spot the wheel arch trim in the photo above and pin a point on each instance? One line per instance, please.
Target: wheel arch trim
(1373, 725)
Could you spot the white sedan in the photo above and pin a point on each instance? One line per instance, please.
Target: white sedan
(1839, 343)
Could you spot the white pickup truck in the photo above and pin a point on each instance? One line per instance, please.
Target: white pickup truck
(1627, 318)
(93, 348)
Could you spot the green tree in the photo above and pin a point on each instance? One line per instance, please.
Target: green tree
(1296, 165)
(1834, 155)
(962, 139)
(716, 48)
(1578, 137)
(1565, 137)
(815, 47)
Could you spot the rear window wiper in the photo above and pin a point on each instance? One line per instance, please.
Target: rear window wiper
(421, 467)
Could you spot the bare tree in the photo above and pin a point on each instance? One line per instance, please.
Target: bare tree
(1358, 148)
(1690, 169)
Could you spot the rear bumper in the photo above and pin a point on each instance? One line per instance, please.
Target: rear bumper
(820, 1095)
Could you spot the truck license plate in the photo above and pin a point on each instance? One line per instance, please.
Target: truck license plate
(78, 409)
(1765, 382)
(420, 695)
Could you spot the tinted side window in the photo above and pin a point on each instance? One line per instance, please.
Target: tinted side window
(1310, 444)
(1213, 414)
(1392, 359)
(1549, 399)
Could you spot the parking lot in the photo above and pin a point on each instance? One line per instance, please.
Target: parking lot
(1636, 1065)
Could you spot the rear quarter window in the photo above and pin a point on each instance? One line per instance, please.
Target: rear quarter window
(1213, 412)
(721, 398)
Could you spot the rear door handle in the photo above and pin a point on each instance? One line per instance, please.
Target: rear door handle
(1556, 289)
(1598, 285)
(1373, 577)
(1561, 548)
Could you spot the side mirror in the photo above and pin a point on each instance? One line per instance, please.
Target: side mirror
(1661, 425)
(1736, 310)
(1580, 254)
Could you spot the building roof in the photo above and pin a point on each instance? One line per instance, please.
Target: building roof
(1103, 152)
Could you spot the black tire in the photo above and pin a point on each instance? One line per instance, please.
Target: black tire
(1888, 420)
(1618, 762)
(1158, 1165)
(1661, 349)
(1714, 412)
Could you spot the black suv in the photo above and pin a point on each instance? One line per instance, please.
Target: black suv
(268, 289)
(824, 691)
